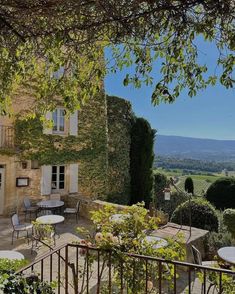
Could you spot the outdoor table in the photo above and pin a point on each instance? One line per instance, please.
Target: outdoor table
(227, 254)
(11, 254)
(50, 204)
(160, 241)
(50, 219)
(119, 217)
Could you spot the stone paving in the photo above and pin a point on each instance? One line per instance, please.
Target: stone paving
(67, 232)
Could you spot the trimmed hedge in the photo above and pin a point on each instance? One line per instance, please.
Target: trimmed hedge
(203, 215)
(229, 220)
(222, 193)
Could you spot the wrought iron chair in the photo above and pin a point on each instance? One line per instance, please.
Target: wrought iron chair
(18, 227)
(74, 211)
(29, 209)
(197, 257)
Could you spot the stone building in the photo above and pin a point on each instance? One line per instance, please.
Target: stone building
(83, 155)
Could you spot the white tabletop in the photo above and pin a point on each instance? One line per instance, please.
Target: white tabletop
(50, 203)
(119, 217)
(10, 254)
(153, 239)
(52, 219)
(227, 254)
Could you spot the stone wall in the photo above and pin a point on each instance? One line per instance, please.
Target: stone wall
(119, 140)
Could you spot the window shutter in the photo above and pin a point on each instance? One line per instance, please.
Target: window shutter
(73, 124)
(46, 171)
(73, 176)
(48, 131)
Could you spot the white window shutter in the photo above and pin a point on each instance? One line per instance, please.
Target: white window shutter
(73, 176)
(48, 117)
(73, 123)
(46, 172)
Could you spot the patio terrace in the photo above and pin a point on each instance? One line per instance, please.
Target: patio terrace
(68, 265)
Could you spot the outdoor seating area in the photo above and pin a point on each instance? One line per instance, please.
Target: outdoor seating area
(68, 253)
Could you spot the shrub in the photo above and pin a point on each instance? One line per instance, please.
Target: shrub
(222, 193)
(141, 161)
(169, 206)
(215, 241)
(11, 282)
(188, 185)
(203, 214)
(229, 220)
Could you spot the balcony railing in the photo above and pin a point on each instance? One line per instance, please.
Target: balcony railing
(81, 269)
(6, 137)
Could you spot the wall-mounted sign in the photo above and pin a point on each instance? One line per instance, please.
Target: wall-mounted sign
(22, 182)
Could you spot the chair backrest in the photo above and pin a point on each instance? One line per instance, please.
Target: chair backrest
(55, 197)
(15, 220)
(27, 203)
(196, 255)
(78, 206)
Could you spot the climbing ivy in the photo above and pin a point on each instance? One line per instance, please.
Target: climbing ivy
(32, 144)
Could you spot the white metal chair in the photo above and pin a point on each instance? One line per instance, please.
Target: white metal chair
(29, 209)
(74, 211)
(18, 227)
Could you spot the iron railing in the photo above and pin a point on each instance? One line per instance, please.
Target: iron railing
(81, 269)
(6, 137)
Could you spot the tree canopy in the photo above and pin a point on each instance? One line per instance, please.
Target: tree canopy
(68, 37)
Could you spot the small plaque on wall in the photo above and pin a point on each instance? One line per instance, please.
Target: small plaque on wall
(22, 182)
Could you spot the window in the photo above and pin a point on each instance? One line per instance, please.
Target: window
(58, 117)
(58, 178)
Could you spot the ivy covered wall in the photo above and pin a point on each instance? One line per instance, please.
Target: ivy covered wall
(88, 148)
(119, 125)
(101, 148)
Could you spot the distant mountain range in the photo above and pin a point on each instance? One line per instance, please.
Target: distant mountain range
(203, 149)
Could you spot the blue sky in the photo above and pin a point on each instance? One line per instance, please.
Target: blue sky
(210, 114)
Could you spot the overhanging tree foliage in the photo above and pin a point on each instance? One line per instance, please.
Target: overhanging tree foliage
(141, 161)
(72, 34)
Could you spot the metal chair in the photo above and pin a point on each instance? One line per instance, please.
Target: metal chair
(18, 227)
(197, 257)
(29, 208)
(75, 210)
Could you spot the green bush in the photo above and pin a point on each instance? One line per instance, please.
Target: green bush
(203, 215)
(11, 282)
(215, 241)
(141, 161)
(169, 206)
(229, 220)
(222, 193)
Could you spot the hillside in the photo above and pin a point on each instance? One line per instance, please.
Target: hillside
(194, 148)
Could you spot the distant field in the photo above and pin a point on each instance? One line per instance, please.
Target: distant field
(201, 182)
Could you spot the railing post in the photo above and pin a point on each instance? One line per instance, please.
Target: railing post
(66, 270)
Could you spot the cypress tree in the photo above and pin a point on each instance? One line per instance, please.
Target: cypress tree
(188, 185)
(142, 156)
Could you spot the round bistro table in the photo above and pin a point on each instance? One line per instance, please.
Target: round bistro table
(50, 204)
(227, 254)
(52, 219)
(11, 254)
(119, 217)
(157, 241)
